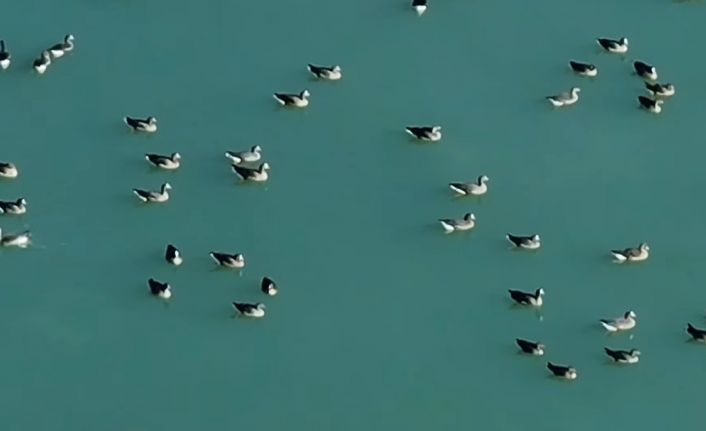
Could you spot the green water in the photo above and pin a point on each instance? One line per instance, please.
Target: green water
(382, 322)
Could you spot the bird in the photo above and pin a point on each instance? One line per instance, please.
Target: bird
(652, 105)
(530, 347)
(624, 323)
(13, 207)
(254, 154)
(258, 174)
(154, 196)
(157, 288)
(330, 73)
(614, 46)
(21, 240)
(8, 170)
(477, 188)
(425, 133)
(5, 57)
(250, 310)
(147, 125)
(420, 6)
(300, 100)
(165, 162)
(466, 223)
(696, 333)
(42, 63)
(584, 69)
(632, 254)
(631, 356)
(660, 90)
(531, 242)
(565, 99)
(525, 298)
(62, 48)
(644, 70)
(173, 255)
(228, 260)
(566, 372)
(268, 286)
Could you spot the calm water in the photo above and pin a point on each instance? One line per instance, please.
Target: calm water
(382, 322)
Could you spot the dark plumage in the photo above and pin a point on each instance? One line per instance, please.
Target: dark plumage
(696, 333)
(158, 288)
(173, 255)
(530, 347)
(268, 286)
(526, 298)
(583, 68)
(623, 356)
(645, 70)
(564, 371)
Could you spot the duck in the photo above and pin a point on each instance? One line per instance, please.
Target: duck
(624, 323)
(531, 242)
(631, 356)
(660, 90)
(696, 333)
(5, 57)
(159, 289)
(258, 174)
(614, 46)
(228, 260)
(468, 222)
(147, 125)
(254, 154)
(8, 170)
(154, 196)
(268, 286)
(250, 310)
(644, 70)
(13, 207)
(584, 69)
(632, 254)
(42, 63)
(300, 100)
(563, 371)
(62, 48)
(530, 347)
(165, 162)
(419, 6)
(173, 255)
(425, 133)
(21, 240)
(525, 298)
(477, 188)
(565, 99)
(330, 73)
(652, 105)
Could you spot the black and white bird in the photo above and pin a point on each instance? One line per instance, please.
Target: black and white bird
(419, 6)
(565, 99)
(268, 286)
(13, 207)
(696, 333)
(42, 63)
(632, 254)
(468, 222)
(62, 48)
(652, 105)
(154, 196)
(147, 125)
(300, 100)
(660, 90)
(250, 310)
(644, 70)
(526, 298)
(20, 240)
(530, 242)
(631, 356)
(624, 323)
(228, 260)
(614, 46)
(477, 188)
(173, 255)
(425, 133)
(8, 170)
(254, 154)
(5, 57)
(563, 371)
(530, 347)
(330, 73)
(159, 289)
(258, 174)
(170, 162)
(584, 69)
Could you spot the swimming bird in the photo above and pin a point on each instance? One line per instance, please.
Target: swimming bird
(331, 73)
(530, 347)
(268, 286)
(13, 207)
(250, 310)
(696, 333)
(584, 69)
(173, 255)
(565, 99)
(624, 323)
(21, 240)
(8, 170)
(466, 223)
(42, 63)
(62, 48)
(479, 187)
(632, 254)
(157, 288)
(5, 57)
(300, 100)
(660, 90)
(228, 260)
(425, 133)
(644, 70)
(258, 174)
(154, 196)
(420, 6)
(566, 372)
(652, 105)
(254, 154)
(147, 125)
(614, 46)
(525, 298)
(531, 242)
(631, 356)
(165, 162)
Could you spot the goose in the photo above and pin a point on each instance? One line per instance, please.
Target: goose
(525, 298)
(615, 46)
(228, 260)
(157, 288)
(252, 174)
(652, 105)
(21, 240)
(466, 223)
(332, 73)
(479, 187)
(660, 90)
(425, 133)
(624, 323)
(696, 333)
(584, 69)
(566, 372)
(300, 100)
(565, 99)
(5, 56)
(531, 242)
(147, 125)
(633, 254)
(644, 70)
(250, 310)
(268, 286)
(173, 255)
(165, 162)
(254, 154)
(62, 48)
(631, 356)
(419, 6)
(13, 207)
(530, 347)
(42, 63)
(8, 170)
(154, 196)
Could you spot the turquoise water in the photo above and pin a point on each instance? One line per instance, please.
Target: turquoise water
(382, 322)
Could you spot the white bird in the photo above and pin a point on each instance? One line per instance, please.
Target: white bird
(480, 187)
(228, 260)
(300, 100)
(565, 99)
(584, 69)
(268, 286)
(42, 63)
(258, 174)
(425, 133)
(173, 255)
(154, 196)
(466, 223)
(160, 289)
(631, 356)
(254, 154)
(62, 48)
(13, 207)
(165, 162)
(531, 242)
(660, 90)
(8, 170)
(420, 6)
(20, 240)
(645, 71)
(5, 57)
(632, 254)
(624, 323)
(250, 310)
(614, 46)
(148, 125)
(652, 105)
(331, 73)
